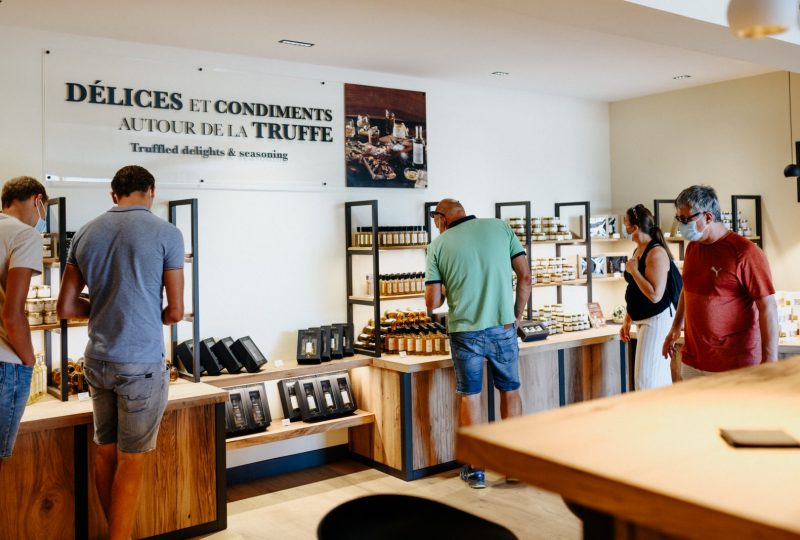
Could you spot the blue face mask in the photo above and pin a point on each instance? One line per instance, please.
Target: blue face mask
(689, 231)
(41, 224)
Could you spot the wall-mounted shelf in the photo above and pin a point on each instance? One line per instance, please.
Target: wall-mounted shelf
(498, 213)
(193, 317)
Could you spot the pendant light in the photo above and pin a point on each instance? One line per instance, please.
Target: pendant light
(761, 18)
(792, 170)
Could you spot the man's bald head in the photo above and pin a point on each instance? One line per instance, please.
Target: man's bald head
(451, 209)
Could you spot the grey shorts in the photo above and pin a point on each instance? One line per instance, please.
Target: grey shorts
(128, 400)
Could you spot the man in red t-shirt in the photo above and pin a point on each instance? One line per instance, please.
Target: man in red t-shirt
(727, 307)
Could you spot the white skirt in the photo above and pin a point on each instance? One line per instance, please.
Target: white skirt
(651, 369)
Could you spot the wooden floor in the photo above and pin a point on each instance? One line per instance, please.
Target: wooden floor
(291, 506)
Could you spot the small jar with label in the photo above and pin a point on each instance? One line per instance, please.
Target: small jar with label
(35, 319)
(43, 291)
(50, 317)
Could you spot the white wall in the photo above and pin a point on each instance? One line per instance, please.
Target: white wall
(733, 135)
(273, 262)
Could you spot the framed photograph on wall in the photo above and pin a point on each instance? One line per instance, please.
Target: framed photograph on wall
(598, 226)
(386, 137)
(599, 267)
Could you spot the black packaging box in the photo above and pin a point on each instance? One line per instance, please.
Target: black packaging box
(532, 331)
(247, 409)
(184, 350)
(222, 350)
(256, 396)
(309, 346)
(346, 339)
(207, 357)
(342, 391)
(290, 399)
(328, 396)
(325, 337)
(248, 354)
(310, 403)
(337, 341)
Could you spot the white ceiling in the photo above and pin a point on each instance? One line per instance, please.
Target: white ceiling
(605, 50)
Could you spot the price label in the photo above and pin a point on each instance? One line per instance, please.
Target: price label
(278, 363)
(285, 422)
(83, 396)
(403, 354)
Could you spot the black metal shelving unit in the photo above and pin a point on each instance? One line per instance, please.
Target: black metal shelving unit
(431, 205)
(657, 204)
(498, 213)
(374, 252)
(758, 238)
(587, 241)
(194, 317)
(62, 390)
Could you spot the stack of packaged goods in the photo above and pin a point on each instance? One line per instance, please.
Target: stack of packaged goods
(407, 331)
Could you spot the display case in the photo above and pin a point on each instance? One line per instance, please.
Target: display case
(248, 354)
(247, 410)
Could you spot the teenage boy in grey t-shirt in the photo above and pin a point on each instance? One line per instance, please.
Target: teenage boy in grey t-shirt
(23, 199)
(126, 258)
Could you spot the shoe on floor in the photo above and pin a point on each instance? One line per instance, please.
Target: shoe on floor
(476, 479)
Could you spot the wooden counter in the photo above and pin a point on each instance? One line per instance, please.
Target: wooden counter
(49, 481)
(415, 403)
(654, 460)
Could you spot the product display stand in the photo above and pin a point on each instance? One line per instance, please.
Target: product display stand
(758, 238)
(62, 390)
(587, 241)
(498, 213)
(194, 316)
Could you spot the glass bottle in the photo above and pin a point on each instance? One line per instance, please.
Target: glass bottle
(418, 148)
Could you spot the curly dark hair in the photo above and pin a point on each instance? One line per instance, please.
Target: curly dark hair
(130, 179)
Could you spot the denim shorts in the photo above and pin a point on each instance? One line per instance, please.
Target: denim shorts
(498, 345)
(15, 385)
(129, 400)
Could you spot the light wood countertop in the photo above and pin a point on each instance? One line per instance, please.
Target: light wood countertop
(50, 413)
(655, 458)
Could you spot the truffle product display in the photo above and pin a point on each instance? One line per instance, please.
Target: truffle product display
(615, 264)
(185, 352)
(543, 229)
(222, 350)
(398, 284)
(391, 236)
(532, 331)
(552, 270)
(75, 374)
(337, 341)
(315, 398)
(346, 331)
(557, 320)
(248, 354)
(207, 357)
(309, 346)
(325, 340)
(788, 314)
(246, 410)
(599, 266)
(407, 331)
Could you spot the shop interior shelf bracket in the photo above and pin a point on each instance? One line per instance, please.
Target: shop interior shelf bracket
(498, 213)
(60, 391)
(374, 252)
(194, 317)
(587, 241)
(759, 233)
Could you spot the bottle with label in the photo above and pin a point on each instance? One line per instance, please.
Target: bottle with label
(419, 148)
(344, 391)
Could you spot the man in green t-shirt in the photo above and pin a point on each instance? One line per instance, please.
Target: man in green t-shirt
(471, 262)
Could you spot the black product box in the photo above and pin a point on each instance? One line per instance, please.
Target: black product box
(532, 331)
(337, 341)
(185, 352)
(310, 403)
(342, 391)
(325, 338)
(248, 354)
(207, 357)
(309, 346)
(347, 339)
(328, 396)
(222, 350)
(290, 399)
(247, 410)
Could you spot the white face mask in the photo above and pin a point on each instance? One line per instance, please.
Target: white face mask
(689, 231)
(41, 224)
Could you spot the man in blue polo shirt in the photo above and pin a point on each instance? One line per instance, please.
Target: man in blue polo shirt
(471, 262)
(128, 258)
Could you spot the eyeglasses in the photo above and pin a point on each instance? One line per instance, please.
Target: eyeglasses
(434, 213)
(687, 220)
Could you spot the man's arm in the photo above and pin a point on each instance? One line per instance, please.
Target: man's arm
(14, 320)
(768, 323)
(173, 283)
(522, 269)
(674, 334)
(70, 303)
(434, 296)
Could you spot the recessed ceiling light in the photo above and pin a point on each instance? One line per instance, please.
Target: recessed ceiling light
(296, 43)
(500, 73)
(681, 77)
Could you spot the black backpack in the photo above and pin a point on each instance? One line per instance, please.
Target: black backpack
(674, 284)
